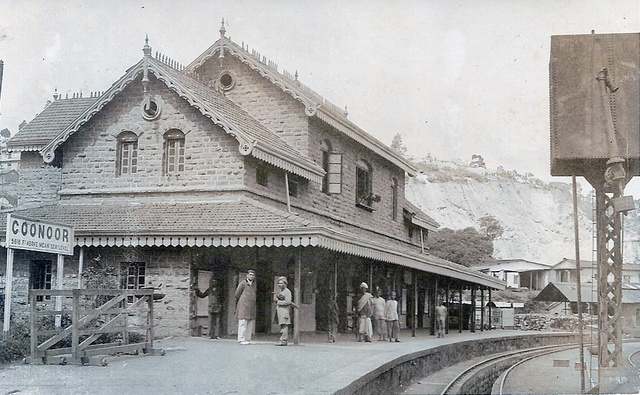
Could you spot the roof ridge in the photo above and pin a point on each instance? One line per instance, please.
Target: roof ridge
(315, 104)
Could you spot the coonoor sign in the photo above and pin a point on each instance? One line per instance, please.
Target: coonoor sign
(33, 235)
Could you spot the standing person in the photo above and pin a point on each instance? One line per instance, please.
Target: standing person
(391, 316)
(441, 318)
(246, 308)
(333, 318)
(214, 306)
(283, 310)
(378, 315)
(365, 310)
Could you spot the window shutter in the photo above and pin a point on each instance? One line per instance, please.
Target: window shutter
(334, 173)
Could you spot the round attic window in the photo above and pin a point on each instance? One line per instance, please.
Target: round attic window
(226, 80)
(150, 108)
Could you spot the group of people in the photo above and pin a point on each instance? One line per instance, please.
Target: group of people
(245, 297)
(372, 312)
(384, 314)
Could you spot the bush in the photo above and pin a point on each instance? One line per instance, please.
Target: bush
(12, 351)
(18, 346)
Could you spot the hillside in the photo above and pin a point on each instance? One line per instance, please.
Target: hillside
(537, 217)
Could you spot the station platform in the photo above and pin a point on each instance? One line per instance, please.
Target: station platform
(204, 366)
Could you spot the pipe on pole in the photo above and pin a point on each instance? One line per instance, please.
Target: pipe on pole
(578, 280)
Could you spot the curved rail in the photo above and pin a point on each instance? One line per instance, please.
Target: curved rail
(630, 357)
(506, 373)
(537, 351)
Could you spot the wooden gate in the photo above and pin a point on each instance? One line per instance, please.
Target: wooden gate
(87, 316)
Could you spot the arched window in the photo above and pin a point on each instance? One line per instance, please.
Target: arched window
(173, 151)
(364, 181)
(127, 154)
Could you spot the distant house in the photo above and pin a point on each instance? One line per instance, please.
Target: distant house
(518, 273)
(567, 293)
(565, 271)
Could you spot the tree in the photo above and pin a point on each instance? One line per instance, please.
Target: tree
(398, 145)
(490, 227)
(467, 246)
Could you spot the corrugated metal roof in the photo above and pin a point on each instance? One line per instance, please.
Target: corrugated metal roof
(420, 217)
(568, 292)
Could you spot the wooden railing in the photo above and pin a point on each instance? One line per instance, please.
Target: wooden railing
(92, 313)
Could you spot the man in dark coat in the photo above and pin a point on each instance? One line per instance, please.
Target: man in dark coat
(215, 307)
(246, 308)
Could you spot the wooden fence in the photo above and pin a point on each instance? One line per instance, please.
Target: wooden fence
(87, 315)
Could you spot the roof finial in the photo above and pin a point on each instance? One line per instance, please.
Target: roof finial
(147, 53)
(222, 29)
(146, 49)
(56, 96)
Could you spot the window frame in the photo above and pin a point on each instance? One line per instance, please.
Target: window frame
(127, 144)
(364, 185)
(262, 174)
(174, 152)
(139, 280)
(394, 199)
(41, 277)
(332, 165)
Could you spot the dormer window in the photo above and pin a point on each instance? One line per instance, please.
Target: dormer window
(173, 151)
(127, 154)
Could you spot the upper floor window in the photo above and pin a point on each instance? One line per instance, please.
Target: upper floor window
(173, 152)
(262, 174)
(332, 165)
(127, 153)
(364, 186)
(292, 186)
(394, 198)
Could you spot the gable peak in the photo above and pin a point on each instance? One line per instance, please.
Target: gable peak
(222, 29)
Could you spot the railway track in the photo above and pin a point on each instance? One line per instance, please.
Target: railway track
(482, 375)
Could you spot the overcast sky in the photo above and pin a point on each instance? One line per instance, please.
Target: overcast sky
(454, 78)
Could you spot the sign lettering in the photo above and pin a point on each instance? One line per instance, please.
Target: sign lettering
(34, 235)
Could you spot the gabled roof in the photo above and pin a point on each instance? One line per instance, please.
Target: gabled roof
(419, 218)
(567, 264)
(315, 105)
(568, 292)
(46, 125)
(253, 137)
(516, 265)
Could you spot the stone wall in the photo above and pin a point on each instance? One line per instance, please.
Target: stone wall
(285, 116)
(167, 271)
(211, 156)
(266, 102)
(401, 371)
(39, 182)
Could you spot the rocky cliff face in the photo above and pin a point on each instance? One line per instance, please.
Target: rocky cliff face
(537, 217)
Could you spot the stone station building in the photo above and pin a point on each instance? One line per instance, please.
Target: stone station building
(175, 174)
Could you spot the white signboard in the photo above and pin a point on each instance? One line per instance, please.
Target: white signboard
(33, 235)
